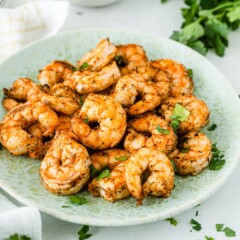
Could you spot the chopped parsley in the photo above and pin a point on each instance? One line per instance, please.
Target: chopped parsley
(174, 166)
(195, 225)
(122, 158)
(228, 231)
(209, 238)
(18, 237)
(180, 114)
(161, 130)
(104, 174)
(84, 66)
(217, 160)
(81, 101)
(86, 120)
(121, 62)
(212, 128)
(94, 171)
(65, 206)
(184, 150)
(74, 199)
(83, 232)
(196, 213)
(190, 72)
(173, 221)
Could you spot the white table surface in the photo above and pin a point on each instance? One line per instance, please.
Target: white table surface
(224, 207)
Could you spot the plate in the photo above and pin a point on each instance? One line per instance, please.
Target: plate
(19, 175)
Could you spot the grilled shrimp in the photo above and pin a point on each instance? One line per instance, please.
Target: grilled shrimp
(108, 114)
(99, 57)
(130, 57)
(181, 83)
(129, 87)
(56, 72)
(193, 154)
(92, 82)
(65, 168)
(199, 113)
(161, 175)
(13, 135)
(112, 188)
(9, 103)
(162, 136)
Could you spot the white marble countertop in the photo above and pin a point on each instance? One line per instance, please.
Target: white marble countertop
(223, 207)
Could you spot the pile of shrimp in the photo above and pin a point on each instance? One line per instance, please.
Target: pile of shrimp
(106, 124)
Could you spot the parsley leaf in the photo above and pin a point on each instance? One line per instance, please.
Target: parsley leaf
(86, 120)
(74, 199)
(122, 158)
(195, 225)
(83, 232)
(161, 130)
(209, 238)
(94, 171)
(184, 150)
(217, 161)
(229, 232)
(81, 101)
(173, 221)
(174, 166)
(84, 66)
(219, 227)
(234, 15)
(104, 174)
(190, 72)
(18, 237)
(212, 128)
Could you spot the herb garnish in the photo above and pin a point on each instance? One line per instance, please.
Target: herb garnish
(161, 130)
(212, 128)
(195, 225)
(122, 158)
(190, 72)
(180, 114)
(174, 166)
(81, 101)
(121, 62)
(74, 199)
(173, 221)
(184, 150)
(217, 160)
(104, 174)
(84, 66)
(207, 23)
(209, 238)
(18, 237)
(94, 171)
(228, 231)
(83, 232)
(86, 120)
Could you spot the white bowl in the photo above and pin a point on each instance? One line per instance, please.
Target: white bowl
(93, 3)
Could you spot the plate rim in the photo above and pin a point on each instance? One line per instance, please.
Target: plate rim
(145, 219)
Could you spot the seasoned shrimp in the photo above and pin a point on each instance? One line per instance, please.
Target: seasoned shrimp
(108, 158)
(12, 133)
(199, 113)
(112, 188)
(110, 116)
(65, 168)
(130, 57)
(56, 72)
(92, 82)
(99, 57)
(161, 175)
(129, 87)
(193, 154)
(181, 83)
(9, 103)
(162, 136)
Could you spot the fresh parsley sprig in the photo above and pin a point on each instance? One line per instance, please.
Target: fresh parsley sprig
(121, 158)
(83, 232)
(195, 225)
(74, 199)
(18, 237)
(217, 160)
(207, 23)
(104, 174)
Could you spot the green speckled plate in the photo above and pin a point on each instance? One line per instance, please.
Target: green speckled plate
(19, 175)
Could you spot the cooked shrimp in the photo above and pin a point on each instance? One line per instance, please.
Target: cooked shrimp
(108, 114)
(130, 57)
(161, 175)
(181, 83)
(112, 188)
(13, 135)
(193, 154)
(99, 57)
(56, 72)
(64, 125)
(92, 82)
(199, 113)
(65, 168)
(129, 87)
(162, 136)
(9, 103)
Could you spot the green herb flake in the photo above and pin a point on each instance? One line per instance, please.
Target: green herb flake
(122, 158)
(121, 62)
(184, 150)
(81, 101)
(209, 238)
(190, 72)
(86, 120)
(104, 174)
(229, 232)
(83, 232)
(173, 221)
(74, 199)
(212, 127)
(174, 166)
(195, 225)
(217, 161)
(93, 171)
(65, 206)
(84, 66)
(219, 227)
(18, 237)
(196, 213)
(161, 130)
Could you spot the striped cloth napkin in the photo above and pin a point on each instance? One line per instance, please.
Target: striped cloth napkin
(30, 22)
